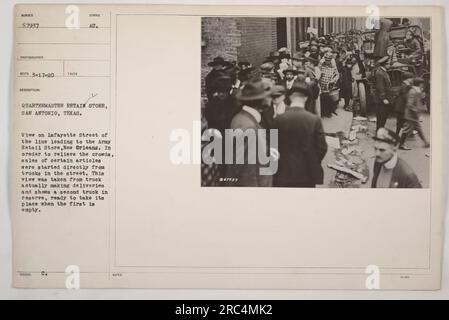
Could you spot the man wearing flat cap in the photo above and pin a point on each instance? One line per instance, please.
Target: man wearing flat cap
(383, 92)
(401, 100)
(301, 140)
(390, 171)
(242, 172)
(413, 107)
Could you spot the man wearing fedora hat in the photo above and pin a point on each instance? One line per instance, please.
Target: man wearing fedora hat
(383, 92)
(307, 80)
(252, 95)
(244, 70)
(346, 83)
(222, 106)
(278, 97)
(219, 111)
(245, 74)
(390, 171)
(218, 65)
(302, 144)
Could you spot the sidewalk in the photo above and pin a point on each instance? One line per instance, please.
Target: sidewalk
(340, 123)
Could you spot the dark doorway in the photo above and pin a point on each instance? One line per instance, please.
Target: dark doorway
(281, 27)
(302, 24)
(320, 27)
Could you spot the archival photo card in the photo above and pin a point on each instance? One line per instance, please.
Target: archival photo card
(128, 120)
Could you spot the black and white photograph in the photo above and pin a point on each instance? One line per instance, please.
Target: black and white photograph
(326, 102)
(233, 150)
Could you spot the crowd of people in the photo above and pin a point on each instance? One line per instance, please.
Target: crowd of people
(326, 65)
(291, 92)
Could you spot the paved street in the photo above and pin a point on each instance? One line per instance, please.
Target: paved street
(341, 123)
(363, 148)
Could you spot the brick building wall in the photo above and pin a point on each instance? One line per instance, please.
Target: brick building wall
(236, 39)
(220, 37)
(259, 37)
